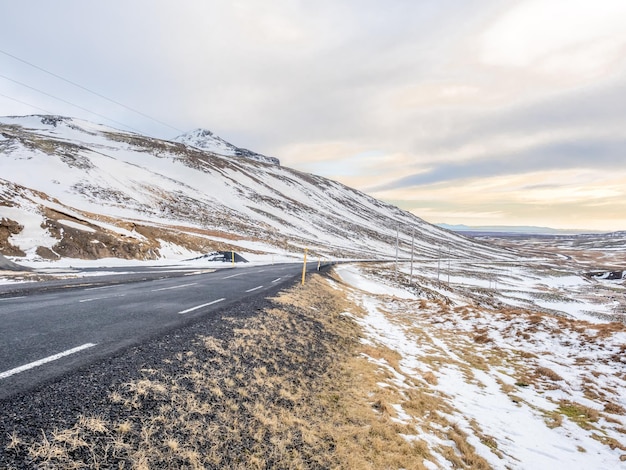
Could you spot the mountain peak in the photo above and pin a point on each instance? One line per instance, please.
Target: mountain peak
(204, 139)
(72, 189)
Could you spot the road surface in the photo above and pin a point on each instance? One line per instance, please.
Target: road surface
(48, 329)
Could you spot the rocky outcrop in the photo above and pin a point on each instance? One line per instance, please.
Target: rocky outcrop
(204, 139)
(9, 227)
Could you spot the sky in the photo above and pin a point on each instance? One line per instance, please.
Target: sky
(476, 112)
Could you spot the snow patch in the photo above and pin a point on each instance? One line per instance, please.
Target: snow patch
(508, 424)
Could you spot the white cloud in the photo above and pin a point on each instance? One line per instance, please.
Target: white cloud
(556, 37)
(362, 91)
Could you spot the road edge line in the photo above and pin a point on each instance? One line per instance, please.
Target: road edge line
(200, 306)
(45, 360)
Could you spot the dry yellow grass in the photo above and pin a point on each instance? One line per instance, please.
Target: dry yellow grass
(292, 388)
(298, 386)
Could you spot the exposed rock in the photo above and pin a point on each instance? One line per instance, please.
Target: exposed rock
(204, 139)
(9, 227)
(46, 253)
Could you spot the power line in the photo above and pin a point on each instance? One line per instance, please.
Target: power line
(71, 104)
(90, 91)
(25, 103)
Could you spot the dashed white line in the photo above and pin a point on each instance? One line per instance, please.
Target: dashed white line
(254, 288)
(233, 275)
(201, 306)
(11, 298)
(174, 287)
(45, 360)
(276, 280)
(101, 298)
(203, 271)
(96, 288)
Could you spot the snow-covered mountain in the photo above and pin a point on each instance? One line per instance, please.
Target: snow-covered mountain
(204, 139)
(71, 188)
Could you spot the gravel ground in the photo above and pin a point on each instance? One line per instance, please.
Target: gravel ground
(87, 391)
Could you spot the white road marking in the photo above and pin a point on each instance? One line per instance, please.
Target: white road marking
(11, 298)
(45, 360)
(174, 287)
(204, 271)
(96, 288)
(255, 288)
(234, 275)
(101, 298)
(92, 299)
(276, 280)
(201, 306)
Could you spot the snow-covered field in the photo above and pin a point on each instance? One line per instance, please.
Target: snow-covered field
(547, 284)
(526, 389)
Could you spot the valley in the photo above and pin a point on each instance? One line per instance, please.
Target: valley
(418, 348)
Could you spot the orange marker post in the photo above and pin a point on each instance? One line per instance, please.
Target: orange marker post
(304, 266)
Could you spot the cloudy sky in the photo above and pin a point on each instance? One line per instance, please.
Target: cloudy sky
(481, 112)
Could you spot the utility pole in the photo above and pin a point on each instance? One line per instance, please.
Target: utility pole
(449, 254)
(397, 243)
(438, 263)
(412, 249)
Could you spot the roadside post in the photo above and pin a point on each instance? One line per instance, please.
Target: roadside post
(304, 266)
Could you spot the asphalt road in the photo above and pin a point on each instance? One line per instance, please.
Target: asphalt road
(48, 329)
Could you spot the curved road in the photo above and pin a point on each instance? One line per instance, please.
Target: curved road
(48, 329)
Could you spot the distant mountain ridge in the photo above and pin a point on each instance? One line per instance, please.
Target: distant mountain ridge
(519, 229)
(204, 139)
(74, 189)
